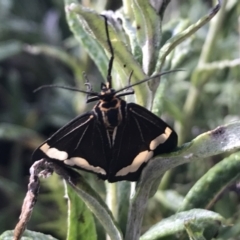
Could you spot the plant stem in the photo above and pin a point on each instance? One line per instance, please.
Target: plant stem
(111, 199)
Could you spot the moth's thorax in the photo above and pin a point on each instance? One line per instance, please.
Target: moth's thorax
(111, 111)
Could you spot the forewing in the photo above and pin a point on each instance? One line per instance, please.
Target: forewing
(142, 136)
(82, 143)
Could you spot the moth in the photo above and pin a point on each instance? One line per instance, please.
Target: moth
(115, 140)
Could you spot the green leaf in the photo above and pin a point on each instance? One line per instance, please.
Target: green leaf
(222, 139)
(199, 218)
(123, 57)
(176, 40)
(202, 230)
(194, 231)
(148, 32)
(92, 200)
(81, 223)
(72, 62)
(170, 199)
(123, 203)
(208, 187)
(162, 103)
(9, 49)
(81, 33)
(26, 136)
(133, 41)
(27, 235)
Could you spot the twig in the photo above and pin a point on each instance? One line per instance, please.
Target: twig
(40, 168)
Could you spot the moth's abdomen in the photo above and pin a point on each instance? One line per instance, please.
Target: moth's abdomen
(111, 118)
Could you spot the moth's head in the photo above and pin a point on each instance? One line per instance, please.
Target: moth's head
(106, 91)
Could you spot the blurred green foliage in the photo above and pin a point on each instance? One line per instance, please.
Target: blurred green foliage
(33, 117)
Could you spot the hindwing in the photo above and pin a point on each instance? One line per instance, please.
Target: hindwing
(140, 137)
(82, 143)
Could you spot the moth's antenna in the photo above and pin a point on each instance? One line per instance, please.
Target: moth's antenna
(109, 76)
(149, 78)
(90, 93)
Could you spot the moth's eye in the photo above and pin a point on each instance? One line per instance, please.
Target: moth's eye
(103, 86)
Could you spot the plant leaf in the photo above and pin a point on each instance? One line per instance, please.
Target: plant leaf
(9, 49)
(92, 200)
(123, 57)
(27, 235)
(208, 187)
(80, 220)
(72, 62)
(202, 219)
(13, 132)
(94, 49)
(148, 32)
(176, 40)
(170, 199)
(222, 139)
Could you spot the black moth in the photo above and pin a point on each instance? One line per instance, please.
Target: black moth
(114, 140)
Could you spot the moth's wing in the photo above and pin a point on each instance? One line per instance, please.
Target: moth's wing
(142, 136)
(82, 143)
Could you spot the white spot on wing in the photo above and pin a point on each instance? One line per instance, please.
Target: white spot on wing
(78, 161)
(137, 162)
(83, 163)
(160, 139)
(45, 147)
(54, 152)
